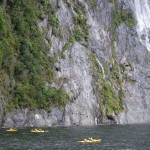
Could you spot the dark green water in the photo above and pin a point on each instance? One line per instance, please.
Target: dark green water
(114, 137)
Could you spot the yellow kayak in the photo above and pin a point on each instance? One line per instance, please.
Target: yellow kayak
(90, 141)
(12, 130)
(38, 131)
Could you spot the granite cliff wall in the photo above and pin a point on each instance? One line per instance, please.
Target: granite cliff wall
(100, 62)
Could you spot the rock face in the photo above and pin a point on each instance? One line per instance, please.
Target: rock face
(75, 73)
(136, 87)
(78, 72)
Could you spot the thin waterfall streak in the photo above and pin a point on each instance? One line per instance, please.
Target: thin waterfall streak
(142, 11)
(103, 72)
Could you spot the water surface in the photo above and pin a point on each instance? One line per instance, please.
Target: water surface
(114, 137)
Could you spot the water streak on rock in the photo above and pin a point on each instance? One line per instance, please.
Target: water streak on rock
(142, 11)
(101, 66)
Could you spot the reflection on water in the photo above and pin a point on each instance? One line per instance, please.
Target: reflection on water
(114, 137)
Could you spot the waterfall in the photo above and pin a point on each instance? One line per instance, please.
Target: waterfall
(103, 72)
(142, 11)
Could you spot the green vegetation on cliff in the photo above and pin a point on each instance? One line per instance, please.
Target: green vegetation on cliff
(109, 87)
(120, 15)
(26, 68)
(80, 28)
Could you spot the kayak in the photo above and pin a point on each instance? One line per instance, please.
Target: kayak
(90, 141)
(12, 130)
(39, 131)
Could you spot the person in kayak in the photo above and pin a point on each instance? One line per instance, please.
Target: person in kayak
(90, 138)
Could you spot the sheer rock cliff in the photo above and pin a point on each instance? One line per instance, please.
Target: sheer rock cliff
(101, 64)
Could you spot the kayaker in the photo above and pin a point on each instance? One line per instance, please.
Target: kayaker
(90, 138)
